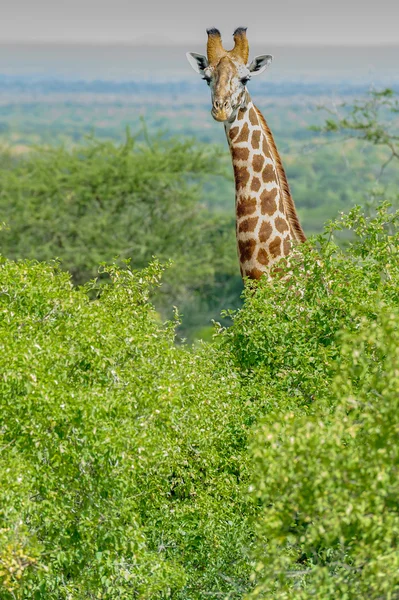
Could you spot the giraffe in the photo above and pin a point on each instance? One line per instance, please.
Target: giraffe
(266, 218)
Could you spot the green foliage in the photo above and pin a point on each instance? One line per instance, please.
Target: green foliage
(122, 456)
(125, 460)
(134, 200)
(329, 481)
(373, 120)
(293, 323)
(324, 348)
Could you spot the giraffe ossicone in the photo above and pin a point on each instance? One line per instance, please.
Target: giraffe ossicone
(266, 218)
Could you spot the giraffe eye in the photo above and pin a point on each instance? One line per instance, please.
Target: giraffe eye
(245, 79)
(207, 79)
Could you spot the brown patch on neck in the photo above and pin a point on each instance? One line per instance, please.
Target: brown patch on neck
(263, 257)
(255, 140)
(281, 225)
(265, 232)
(268, 174)
(241, 176)
(240, 153)
(254, 273)
(265, 147)
(233, 132)
(275, 247)
(268, 204)
(289, 206)
(286, 247)
(252, 117)
(248, 225)
(246, 206)
(257, 162)
(246, 249)
(244, 133)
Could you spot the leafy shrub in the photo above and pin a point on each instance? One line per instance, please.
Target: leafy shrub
(126, 460)
(329, 482)
(134, 200)
(326, 456)
(287, 332)
(122, 455)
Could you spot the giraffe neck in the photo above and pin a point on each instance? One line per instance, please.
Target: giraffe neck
(266, 219)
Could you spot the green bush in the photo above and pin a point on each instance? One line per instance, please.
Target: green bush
(122, 455)
(262, 464)
(326, 458)
(135, 200)
(328, 483)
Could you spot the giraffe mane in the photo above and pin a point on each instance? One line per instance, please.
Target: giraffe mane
(288, 201)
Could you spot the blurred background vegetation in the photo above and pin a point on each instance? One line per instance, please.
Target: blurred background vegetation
(94, 170)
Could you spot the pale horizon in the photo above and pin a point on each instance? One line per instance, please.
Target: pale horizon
(121, 22)
(138, 44)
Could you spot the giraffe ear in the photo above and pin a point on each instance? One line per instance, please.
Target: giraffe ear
(198, 62)
(260, 63)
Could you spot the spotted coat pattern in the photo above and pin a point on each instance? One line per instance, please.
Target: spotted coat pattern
(264, 229)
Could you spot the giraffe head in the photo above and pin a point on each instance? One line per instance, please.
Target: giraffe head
(227, 72)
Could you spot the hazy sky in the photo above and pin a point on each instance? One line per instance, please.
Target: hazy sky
(182, 21)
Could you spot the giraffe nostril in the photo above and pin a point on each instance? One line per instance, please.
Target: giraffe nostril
(218, 104)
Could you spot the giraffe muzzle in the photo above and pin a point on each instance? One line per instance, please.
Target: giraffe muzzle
(221, 110)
